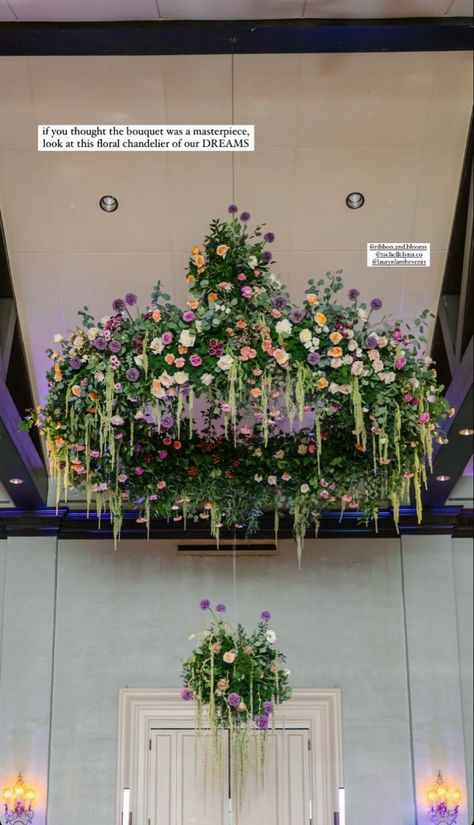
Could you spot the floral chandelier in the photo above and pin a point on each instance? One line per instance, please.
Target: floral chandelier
(243, 402)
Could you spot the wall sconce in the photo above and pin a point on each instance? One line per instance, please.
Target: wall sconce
(17, 800)
(444, 803)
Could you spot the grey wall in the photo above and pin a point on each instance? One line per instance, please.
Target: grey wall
(390, 628)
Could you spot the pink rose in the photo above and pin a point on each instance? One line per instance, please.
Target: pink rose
(188, 316)
(161, 484)
(247, 291)
(424, 418)
(195, 360)
(162, 453)
(400, 363)
(397, 334)
(138, 471)
(276, 313)
(241, 277)
(167, 337)
(179, 362)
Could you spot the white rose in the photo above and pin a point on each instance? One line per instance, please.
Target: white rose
(271, 636)
(166, 380)
(104, 319)
(207, 379)
(302, 449)
(315, 343)
(388, 377)
(347, 359)
(258, 452)
(198, 325)
(362, 313)
(346, 389)
(382, 341)
(333, 388)
(58, 338)
(257, 477)
(272, 480)
(304, 488)
(186, 339)
(374, 354)
(99, 376)
(349, 333)
(252, 262)
(377, 366)
(181, 377)
(138, 360)
(305, 336)
(336, 363)
(357, 368)
(92, 333)
(117, 420)
(359, 352)
(225, 362)
(414, 382)
(280, 454)
(352, 345)
(284, 327)
(156, 346)
(78, 341)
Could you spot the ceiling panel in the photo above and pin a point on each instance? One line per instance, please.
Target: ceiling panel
(376, 8)
(6, 14)
(82, 10)
(230, 9)
(460, 8)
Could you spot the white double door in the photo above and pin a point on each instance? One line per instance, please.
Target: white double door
(177, 793)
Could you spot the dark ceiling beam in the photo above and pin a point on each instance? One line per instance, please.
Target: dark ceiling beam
(238, 36)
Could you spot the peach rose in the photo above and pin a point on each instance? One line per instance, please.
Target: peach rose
(312, 299)
(255, 392)
(320, 318)
(222, 250)
(192, 304)
(335, 352)
(195, 250)
(216, 648)
(281, 356)
(222, 684)
(335, 337)
(169, 358)
(229, 657)
(322, 383)
(156, 315)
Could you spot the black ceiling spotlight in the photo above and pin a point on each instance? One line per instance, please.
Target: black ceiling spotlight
(355, 200)
(108, 203)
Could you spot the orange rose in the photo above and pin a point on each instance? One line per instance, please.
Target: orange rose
(335, 352)
(320, 318)
(190, 278)
(213, 296)
(76, 390)
(57, 373)
(199, 261)
(182, 349)
(156, 315)
(93, 396)
(267, 345)
(177, 445)
(192, 304)
(222, 250)
(335, 337)
(312, 299)
(91, 409)
(255, 392)
(169, 358)
(200, 269)
(322, 383)
(195, 250)
(59, 441)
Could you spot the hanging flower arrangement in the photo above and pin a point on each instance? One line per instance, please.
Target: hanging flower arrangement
(236, 680)
(242, 402)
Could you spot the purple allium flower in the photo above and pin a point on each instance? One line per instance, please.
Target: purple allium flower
(265, 616)
(132, 374)
(376, 303)
(188, 316)
(353, 294)
(245, 216)
(216, 348)
(130, 299)
(266, 256)
(232, 209)
(114, 345)
(138, 471)
(279, 301)
(75, 362)
(186, 695)
(268, 707)
(296, 315)
(313, 358)
(167, 421)
(371, 342)
(118, 305)
(234, 700)
(261, 722)
(269, 237)
(100, 343)
(204, 604)
(221, 608)
(167, 337)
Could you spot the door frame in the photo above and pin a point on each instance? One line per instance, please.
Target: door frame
(318, 710)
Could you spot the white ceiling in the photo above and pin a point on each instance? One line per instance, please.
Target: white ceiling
(392, 126)
(100, 10)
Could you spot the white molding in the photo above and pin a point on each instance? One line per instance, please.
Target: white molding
(317, 710)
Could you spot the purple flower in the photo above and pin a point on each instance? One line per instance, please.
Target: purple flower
(376, 303)
(269, 237)
(371, 342)
(137, 448)
(221, 608)
(266, 616)
(188, 316)
(166, 338)
(195, 360)
(268, 707)
(234, 700)
(232, 209)
(266, 256)
(313, 358)
(186, 695)
(167, 421)
(216, 348)
(75, 362)
(118, 305)
(279, 301)
(100, 343)
(261, 722)
(130, 299)
(114, 345)
(132, 374)
(245, 216)
(296, 315)
(353, 294)
(204, 604)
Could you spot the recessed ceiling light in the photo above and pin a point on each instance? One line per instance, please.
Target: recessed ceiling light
(466, 431)
(108, 203)
(355, 200)
(443, 478)
(15, 480)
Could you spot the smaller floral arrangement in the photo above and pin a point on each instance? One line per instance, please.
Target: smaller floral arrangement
(236, 678)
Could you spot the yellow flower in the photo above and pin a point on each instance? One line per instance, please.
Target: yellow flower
(320, 318)
(335, 337)
(222, 250)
